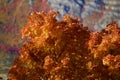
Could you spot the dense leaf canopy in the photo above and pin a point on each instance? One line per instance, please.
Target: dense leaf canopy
(66, 50)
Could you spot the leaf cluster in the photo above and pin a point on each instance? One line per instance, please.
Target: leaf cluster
(66, 50)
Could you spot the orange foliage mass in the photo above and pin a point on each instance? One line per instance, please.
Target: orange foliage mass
(66, 50)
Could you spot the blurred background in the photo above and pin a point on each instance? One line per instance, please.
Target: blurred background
(95, 14)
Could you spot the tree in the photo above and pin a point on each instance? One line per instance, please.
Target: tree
(65, 50)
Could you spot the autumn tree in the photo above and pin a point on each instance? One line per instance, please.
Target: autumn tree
(66, 50)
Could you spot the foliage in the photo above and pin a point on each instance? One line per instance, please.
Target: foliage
(105, 52)
(66, 50)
